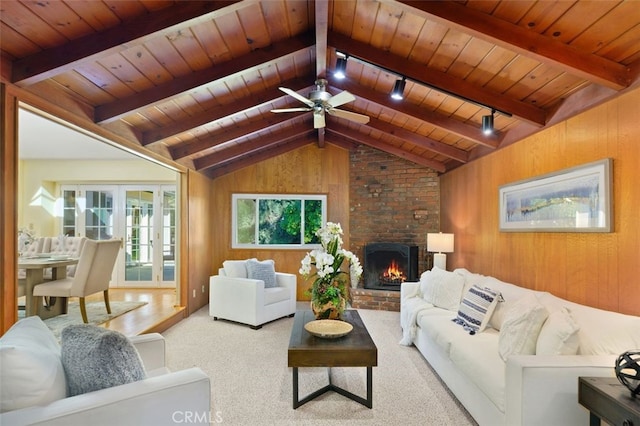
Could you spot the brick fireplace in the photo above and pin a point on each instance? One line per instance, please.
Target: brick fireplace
(392, 200)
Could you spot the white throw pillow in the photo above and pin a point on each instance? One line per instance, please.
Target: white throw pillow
(30, 367)
(521, 327)
(559, 335)
(476, 308)
(235, 268)
(497, 318)
(443, 289)
(264, 270)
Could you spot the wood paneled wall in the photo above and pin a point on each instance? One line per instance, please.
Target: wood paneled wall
(197, 245)
(307, 170)
(600, 269)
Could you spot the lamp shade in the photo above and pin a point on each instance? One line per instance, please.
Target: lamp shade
(440, 243)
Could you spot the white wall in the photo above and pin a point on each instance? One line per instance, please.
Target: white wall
(39, 185)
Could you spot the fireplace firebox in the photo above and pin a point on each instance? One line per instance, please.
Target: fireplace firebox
(387, 265)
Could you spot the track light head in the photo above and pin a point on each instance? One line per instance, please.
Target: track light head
(398, 90)
(487, 123)
(341, 69)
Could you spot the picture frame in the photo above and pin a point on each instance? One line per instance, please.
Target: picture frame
(577, 199)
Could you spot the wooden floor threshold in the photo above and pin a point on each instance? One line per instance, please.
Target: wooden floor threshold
(168, 322)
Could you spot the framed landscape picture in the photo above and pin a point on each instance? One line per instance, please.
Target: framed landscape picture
(577, 199)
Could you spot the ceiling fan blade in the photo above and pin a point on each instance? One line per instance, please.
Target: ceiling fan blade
(318, 120)
(352, 116)
(297, 96)
(341, 98)
(291, 110)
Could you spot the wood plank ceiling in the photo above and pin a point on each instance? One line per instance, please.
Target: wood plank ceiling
(196, 81)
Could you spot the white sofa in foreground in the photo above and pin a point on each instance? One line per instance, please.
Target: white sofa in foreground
(35, 385)
(523, 367)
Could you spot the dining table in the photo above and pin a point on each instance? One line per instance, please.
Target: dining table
(34, 267)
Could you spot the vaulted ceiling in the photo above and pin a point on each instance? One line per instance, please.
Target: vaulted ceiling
(195, 82)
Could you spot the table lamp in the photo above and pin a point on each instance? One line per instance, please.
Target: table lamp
(439, 243)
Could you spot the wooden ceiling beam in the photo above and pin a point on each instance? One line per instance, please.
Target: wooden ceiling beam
(230, 135)
(224, 111)
(257, 156)
(48, 63)
(438, 80)
(467, 131)
(528, 43)
(421, 141)
(346, 131)
(322, 27)
(341, 140)
(172, 89)
(245, 148)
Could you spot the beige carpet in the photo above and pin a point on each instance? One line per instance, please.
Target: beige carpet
(96, 314)
(252, 385)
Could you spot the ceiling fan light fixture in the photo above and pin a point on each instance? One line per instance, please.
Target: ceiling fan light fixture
(487, 123)
(398, 89)
(341, 68)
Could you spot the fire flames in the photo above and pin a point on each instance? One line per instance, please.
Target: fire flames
(393, 274)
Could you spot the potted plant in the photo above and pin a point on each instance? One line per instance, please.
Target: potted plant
(330, 288)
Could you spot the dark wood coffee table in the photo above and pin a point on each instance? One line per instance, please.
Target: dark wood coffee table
(353, 350)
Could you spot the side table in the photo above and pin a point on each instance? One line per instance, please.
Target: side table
(607, 399)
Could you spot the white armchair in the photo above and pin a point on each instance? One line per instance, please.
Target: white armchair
(29, 354)
(234, 296)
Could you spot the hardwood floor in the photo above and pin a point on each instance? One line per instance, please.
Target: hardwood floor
(160, 312)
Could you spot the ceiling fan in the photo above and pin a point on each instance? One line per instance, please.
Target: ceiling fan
(321, 101)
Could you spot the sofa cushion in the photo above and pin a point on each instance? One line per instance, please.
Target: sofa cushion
(559, 335)
(262, 270)
(476, 308)
(476, 357)
(521, 327)
(442, 288)
(95, 358)
(275, 295)
(235, 268)
(30, 366)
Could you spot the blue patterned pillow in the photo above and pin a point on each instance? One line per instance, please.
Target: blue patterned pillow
(476, 308)
(264, 271)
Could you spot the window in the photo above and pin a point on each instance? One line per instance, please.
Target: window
(277, 221)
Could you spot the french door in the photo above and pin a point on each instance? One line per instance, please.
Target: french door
(144, 216)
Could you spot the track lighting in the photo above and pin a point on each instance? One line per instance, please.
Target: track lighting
(341, 68)
(487, 123)
(398, 89)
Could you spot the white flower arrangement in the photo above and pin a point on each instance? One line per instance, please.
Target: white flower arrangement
(330, 283)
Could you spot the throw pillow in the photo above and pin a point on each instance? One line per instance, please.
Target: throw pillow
(522, 324)
(476, 308)
(30, 368)
(235, 268)
(264, 270)
(95, 358)
(443, 289)
(559, 335)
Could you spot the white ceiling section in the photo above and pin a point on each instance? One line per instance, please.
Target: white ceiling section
(43, 139)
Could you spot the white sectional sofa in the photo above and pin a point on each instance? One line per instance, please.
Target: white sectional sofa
(523, 368)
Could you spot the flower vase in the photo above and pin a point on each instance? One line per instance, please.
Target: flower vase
(328, 310)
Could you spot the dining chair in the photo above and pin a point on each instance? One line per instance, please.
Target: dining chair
(64, 246)
(93, 274)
